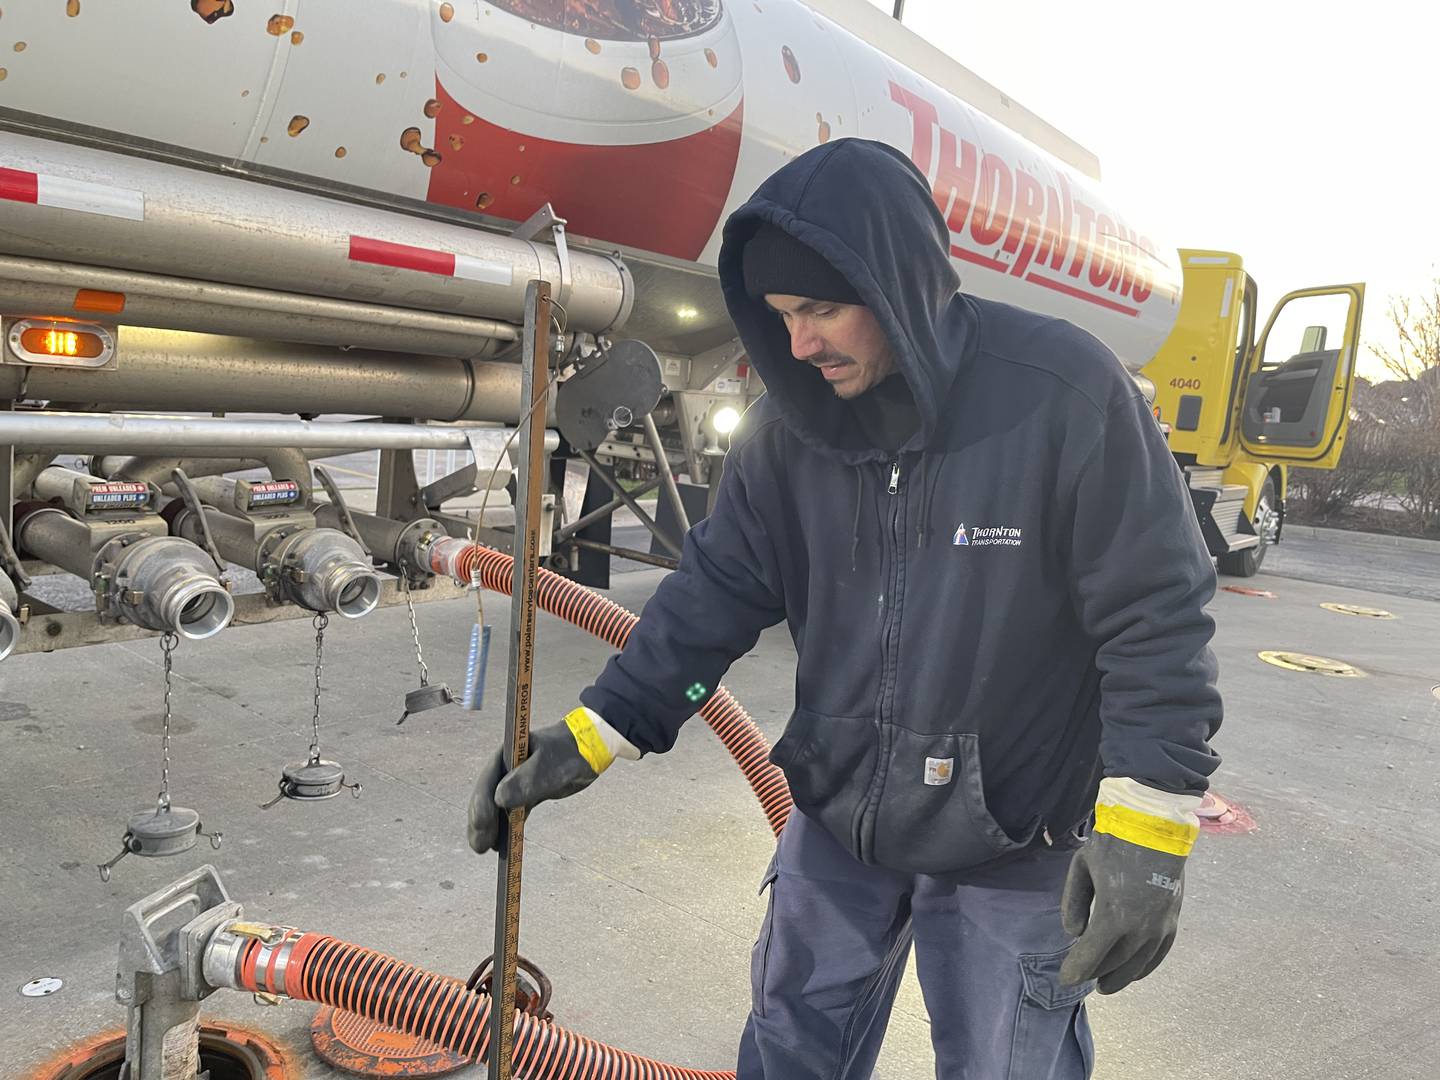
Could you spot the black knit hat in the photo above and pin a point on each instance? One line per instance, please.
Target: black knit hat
(775, 262)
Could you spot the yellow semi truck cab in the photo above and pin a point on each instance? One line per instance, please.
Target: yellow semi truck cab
(1240, 410)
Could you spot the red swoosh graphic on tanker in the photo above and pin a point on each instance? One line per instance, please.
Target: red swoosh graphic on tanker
(1001, 267)
(664, 197)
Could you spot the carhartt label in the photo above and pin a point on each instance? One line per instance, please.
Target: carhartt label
(939, 770)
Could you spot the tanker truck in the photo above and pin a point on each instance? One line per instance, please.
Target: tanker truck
(222, 220)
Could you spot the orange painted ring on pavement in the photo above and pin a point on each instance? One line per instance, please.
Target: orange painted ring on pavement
(263, 1057)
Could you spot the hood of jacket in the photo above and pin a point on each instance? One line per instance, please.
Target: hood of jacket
(868, 211)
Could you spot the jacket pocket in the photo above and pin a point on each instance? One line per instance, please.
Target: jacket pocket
(829, 762)
(1052, 1033)
(932, 817)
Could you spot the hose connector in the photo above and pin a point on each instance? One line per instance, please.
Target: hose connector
(9, 625)
(452, 557)
(326, 571)
(164, 583)
(235, 948)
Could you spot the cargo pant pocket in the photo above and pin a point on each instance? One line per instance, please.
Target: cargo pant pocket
(760, 953)
(1052, 1032)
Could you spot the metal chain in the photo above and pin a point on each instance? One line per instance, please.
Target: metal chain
(168, 642)
(415, 630)
(320, 622)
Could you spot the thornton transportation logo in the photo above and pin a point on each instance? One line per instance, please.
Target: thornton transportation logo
(988, 534)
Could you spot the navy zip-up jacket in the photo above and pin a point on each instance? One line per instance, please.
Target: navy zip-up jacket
(986, 621)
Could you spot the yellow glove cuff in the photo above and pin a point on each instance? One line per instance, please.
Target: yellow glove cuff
(1146, 816)
(592, 746)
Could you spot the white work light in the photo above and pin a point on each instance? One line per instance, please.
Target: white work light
(725, 420)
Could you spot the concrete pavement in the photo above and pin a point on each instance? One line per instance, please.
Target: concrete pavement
(1309, 948)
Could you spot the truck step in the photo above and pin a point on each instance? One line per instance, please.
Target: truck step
(1225, 526)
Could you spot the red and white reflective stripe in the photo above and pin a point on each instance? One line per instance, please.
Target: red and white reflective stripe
(429, 261)
(63, 193)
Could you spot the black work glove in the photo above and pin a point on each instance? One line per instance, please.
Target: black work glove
(1132, 869)
(1136, 893)
(563, 759)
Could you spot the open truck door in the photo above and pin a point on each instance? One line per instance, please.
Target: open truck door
(1295, 406)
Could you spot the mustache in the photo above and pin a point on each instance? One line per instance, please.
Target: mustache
(830, 358)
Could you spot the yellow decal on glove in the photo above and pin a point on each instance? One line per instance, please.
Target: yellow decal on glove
(592, 746)
(1146, 830)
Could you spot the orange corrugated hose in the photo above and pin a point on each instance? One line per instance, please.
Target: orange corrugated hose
(611, 623)
(443, 1010)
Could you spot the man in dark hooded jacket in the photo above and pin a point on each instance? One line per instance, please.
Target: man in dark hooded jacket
(995, 584)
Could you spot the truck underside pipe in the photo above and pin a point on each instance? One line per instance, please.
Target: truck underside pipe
(283, 465)
(164, 369)
(27, 468)
(158, 470)
(269, 237)
(158, 582)
(177, 303)
(90, 433)
(397, 542)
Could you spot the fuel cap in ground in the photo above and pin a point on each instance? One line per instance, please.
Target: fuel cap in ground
(1317, 665)
(1356, 609)
(1218, 814)
(361, 1047)
(41, 987)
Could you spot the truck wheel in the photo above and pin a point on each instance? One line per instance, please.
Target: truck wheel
(1247, 563)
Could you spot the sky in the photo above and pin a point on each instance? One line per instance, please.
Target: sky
(1298, 135)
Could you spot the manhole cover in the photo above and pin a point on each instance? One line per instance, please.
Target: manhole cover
(41, 987)
(1317, 665)
(1435, 690)
(357, 1045)
(1356, 609)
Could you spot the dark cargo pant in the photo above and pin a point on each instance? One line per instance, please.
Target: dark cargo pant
(834, 944)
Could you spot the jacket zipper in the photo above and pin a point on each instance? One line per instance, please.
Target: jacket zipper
(888, 634)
